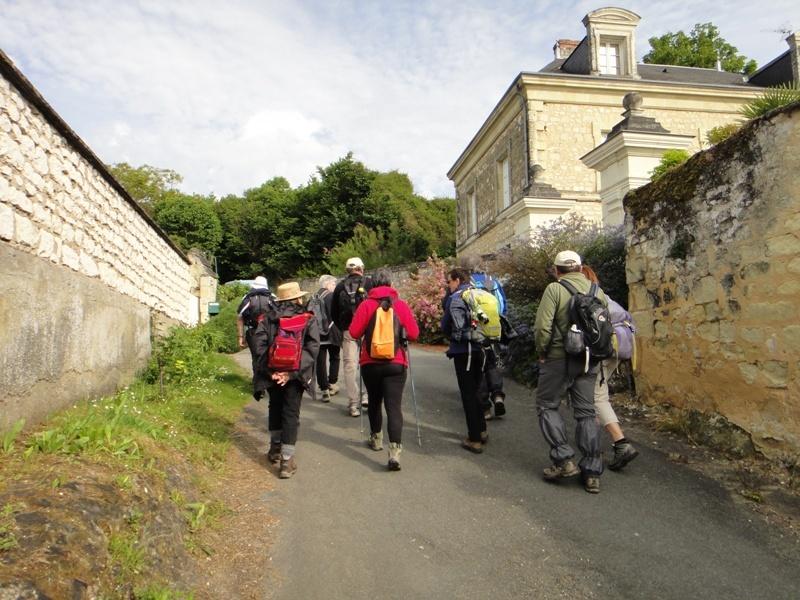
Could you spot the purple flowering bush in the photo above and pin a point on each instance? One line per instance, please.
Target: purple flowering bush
(424, 297)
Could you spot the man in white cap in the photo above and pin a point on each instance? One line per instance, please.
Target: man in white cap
(347, 295)
(560, 373)
(256, 303)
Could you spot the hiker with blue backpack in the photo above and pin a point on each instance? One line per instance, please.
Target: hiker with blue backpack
(287, 342)
(460, 324)
(383, 323)
(573, 334)
(625, 348)
(493, 399)
(330, 338)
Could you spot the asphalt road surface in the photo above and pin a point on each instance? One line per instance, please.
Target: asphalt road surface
(452, 524)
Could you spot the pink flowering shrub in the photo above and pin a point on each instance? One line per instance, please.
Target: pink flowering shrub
(424, 296)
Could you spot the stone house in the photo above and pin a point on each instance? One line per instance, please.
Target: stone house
(523, 167)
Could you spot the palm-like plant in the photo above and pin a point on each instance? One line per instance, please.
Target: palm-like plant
(772, 98)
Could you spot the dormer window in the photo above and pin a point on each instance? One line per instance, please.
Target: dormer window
(608, 59)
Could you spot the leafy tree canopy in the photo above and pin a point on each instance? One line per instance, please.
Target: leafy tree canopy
(190, 221)
(700, 48)
(147, 185)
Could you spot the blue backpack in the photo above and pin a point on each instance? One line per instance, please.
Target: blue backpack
(484, 281)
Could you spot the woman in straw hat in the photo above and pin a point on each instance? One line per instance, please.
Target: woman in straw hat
(286, 386)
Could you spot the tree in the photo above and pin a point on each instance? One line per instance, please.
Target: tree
(190, 221)
(147, 185)
(701, 48)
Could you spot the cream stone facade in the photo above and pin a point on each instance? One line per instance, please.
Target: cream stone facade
(713, 268)
(546, 121)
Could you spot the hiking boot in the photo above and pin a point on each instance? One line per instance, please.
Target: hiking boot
(375, 441)
(484, 437)
(326, 395)
(288, 467)
(474, 447)
(592, 485)
(562, 471)
(499, 406)
(623, 454)
(394, 456)
(274, 453)
(354, 411)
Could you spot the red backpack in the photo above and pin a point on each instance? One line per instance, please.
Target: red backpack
(286, 349)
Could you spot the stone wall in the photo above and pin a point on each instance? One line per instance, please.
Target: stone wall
(85, 275)
(713, 267)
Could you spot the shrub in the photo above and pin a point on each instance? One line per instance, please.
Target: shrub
(222, 328)
(669, 161)
(520, 360)
(183, 355)
(721, 133)
(772, 98)
(426, 291)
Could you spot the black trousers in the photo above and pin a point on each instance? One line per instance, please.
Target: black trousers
(284, 410)
(326, 377)
(469, 381)
(492, 385)
(385, 383)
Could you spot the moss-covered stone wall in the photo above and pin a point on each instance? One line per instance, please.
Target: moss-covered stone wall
(713, 267)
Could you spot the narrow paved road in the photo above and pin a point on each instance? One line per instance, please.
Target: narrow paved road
(456, 525)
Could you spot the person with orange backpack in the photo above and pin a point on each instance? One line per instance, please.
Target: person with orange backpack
(384, 322)
(287, 341)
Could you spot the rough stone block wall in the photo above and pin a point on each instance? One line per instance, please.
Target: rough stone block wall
(713, 267)
(483, 179)
(84, 277)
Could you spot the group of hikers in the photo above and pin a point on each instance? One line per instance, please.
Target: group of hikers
(360, 323)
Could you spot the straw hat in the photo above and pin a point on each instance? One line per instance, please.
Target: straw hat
(290, 291)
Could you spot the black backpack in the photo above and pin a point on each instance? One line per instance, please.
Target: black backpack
(260, 304)
(317, 306)
(590, 332)
(353, 293)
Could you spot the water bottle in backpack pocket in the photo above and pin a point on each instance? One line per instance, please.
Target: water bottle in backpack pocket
(484, 314)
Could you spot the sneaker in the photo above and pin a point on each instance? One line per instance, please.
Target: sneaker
(484, 437)
(623, 454)
(474, 447)
(364, 402)
(487, 414)
(375, 441)
(499, 407)
(354, 411)
(326, 395)
(592, 485)
(394, 456)
(288, 467)
(333, 388)
(274, 453)
(562, 471)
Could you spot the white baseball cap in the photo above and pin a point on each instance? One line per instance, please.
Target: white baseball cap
(259, 283)
(354, 263)
(567, 258)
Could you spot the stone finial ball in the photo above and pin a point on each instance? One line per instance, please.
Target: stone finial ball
(632, 101)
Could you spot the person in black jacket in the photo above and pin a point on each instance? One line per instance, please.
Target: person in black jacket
(330, 343)
(349, 293)
(468, 358)
(286, 388)
(255, 304)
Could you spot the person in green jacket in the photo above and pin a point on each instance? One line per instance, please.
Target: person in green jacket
(560, 374)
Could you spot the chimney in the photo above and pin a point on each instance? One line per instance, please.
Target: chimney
(794, 52)
(563, 48)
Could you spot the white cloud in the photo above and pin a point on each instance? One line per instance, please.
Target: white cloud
(231, 94)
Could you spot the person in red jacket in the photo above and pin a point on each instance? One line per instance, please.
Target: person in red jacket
(384, 378)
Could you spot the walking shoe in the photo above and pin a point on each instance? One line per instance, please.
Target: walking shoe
(364, 401)
(354, 411)
(484, 437)
(333, 388)
(623, 454)
(562, 471)
(288, 467)
(375, 441)
(326, 395)
(499, 406)
(487, 414)
(274, 453)
(394, 456)
(592, 485)
(475, 447)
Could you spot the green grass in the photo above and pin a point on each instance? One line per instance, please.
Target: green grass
(7, 538)
(126, 554)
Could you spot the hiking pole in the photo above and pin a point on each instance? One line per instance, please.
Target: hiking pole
(360, 391)
(413, 390)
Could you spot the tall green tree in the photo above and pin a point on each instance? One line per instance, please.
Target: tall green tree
(702, 47)
(190, 220)
(147, 185)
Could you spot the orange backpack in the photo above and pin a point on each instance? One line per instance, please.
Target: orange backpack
(383, 332)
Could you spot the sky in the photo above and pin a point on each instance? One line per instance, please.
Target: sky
(230, 94)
